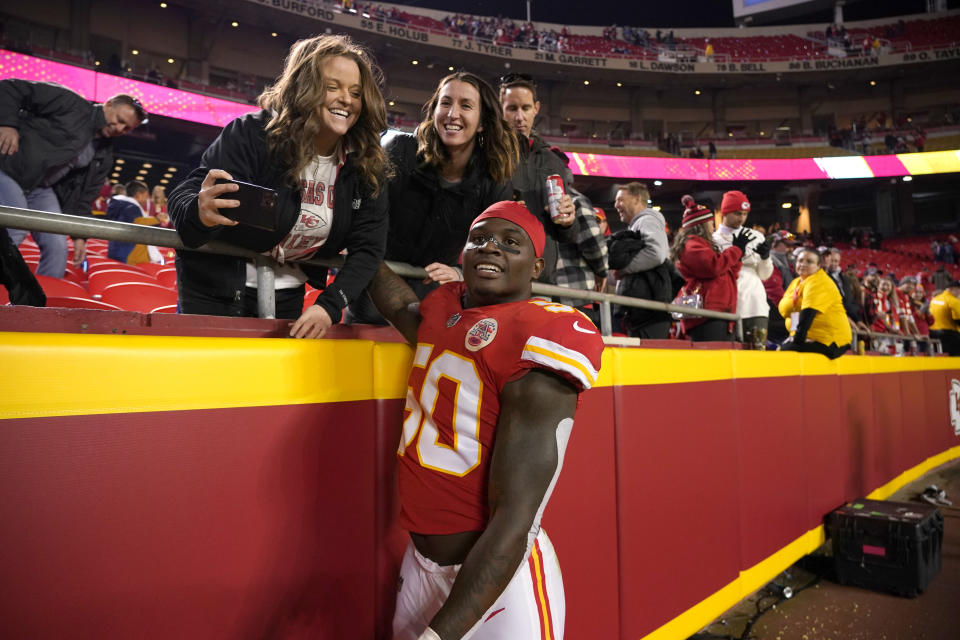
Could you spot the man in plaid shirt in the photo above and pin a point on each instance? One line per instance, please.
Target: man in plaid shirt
(575, 254)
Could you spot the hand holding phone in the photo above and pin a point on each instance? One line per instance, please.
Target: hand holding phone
(257, 206)
(213, 197)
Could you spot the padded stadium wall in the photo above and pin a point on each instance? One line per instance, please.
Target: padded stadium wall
(216, 487)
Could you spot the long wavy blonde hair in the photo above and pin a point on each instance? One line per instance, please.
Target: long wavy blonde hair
(497, 143)
(294, 97)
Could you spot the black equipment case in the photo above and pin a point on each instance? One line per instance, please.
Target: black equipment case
(886, 546)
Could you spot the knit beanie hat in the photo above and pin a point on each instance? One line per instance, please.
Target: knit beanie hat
(688, 202)
(734, 201)
(697, 215)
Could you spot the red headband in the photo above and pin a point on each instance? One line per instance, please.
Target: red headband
(520, 216)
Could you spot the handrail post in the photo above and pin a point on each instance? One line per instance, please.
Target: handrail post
(266, 297)
(606, 318)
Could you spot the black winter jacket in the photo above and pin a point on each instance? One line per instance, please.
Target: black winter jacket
(359, 220)
(55, 124)
(429, 223)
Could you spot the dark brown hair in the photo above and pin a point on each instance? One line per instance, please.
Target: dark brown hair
(685, 232)
(498, 145)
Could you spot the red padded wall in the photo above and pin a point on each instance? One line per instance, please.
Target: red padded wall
(825, 458)
(581, 520)
(856, 394)
(913, 420)
(773, 499)
(677, 486)
(281, 521)
(225, 523)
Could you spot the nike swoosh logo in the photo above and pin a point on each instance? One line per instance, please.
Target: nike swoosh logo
(576, 326)
(494, 613)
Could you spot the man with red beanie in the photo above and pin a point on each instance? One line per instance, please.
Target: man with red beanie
(756, 267)
(492, 394)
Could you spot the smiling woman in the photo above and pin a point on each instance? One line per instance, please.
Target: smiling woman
(316, 143)
(459, 162)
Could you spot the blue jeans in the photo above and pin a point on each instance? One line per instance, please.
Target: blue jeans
(53, 247)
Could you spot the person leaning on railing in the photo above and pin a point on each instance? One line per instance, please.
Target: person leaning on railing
(317, 143)
(814, 311)
(945, 309)
(457, 164)
(56, 150)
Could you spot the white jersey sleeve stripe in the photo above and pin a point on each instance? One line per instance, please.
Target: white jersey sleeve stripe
(556, 356)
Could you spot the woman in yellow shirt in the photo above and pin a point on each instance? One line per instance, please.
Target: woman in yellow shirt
(945, 309)
(814, 311)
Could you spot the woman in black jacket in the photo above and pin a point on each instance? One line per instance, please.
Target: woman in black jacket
(316, 142)
(459, 163)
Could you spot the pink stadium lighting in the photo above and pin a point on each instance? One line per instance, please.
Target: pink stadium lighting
(99, 87)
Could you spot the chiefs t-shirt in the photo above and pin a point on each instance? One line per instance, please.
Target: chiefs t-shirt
(312, 228)
(463, 359)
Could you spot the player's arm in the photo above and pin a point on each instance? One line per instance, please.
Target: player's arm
(396, 301)
(536, 415)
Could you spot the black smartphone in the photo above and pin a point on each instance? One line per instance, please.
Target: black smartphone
(257, 205)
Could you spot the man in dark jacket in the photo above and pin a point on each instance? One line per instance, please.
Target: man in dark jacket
(127, 208)
(575, 254)
(55, 152)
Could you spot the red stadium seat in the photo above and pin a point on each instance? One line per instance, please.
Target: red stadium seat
(79, 303)
(139, 296)
(100, 280)
(61, 287)
(102, 264)
(170, 308)
(310, 297)
(167, 276)
(75, 274)
(153, 268)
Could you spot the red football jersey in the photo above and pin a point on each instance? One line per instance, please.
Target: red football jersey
(464, 357)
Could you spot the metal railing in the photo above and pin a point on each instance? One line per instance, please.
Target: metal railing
(81, 227)
(899, 341)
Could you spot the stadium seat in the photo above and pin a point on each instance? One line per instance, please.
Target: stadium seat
(310, 297)
(100, 280)
(69, 302)
(61, 287)
(167, 276)
(170, 308)
(103, 264)
(139, 296)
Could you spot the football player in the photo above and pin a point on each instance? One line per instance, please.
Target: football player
(492, 393)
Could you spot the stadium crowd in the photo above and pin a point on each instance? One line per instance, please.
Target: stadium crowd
(472, 127)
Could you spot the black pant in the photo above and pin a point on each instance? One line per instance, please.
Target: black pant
(712, 330)
(22, 286)
(833, 351)
(949, 339)
(289, 303)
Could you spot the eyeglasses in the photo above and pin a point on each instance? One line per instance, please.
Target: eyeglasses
(509, 78)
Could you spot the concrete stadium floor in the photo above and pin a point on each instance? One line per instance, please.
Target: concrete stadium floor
(829, 611)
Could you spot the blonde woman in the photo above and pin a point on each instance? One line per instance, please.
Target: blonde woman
(157, 205)
(316, 141)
